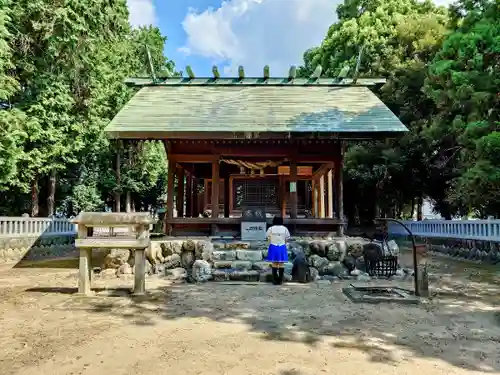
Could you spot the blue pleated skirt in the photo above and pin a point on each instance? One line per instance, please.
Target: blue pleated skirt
(277, 254)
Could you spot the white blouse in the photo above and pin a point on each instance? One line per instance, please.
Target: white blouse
(278, 235)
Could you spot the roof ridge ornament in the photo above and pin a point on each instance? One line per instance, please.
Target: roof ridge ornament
(317, 73)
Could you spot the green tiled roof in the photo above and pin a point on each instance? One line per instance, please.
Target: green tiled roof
(159, 110)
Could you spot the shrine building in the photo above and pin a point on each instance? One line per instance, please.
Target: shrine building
(236, 144)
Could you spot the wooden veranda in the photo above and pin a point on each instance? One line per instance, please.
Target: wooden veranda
(275, 144)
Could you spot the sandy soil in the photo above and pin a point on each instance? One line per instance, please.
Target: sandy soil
(245, 329)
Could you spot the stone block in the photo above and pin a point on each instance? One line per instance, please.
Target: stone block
(249, 255)
(220, 275)
(202, 271)
(176, 274)
(218, 245)
(244, 276)
(238, 245)
(333, 269)
(224, 255)
(241, 265)
(221, 264)
(261, 266)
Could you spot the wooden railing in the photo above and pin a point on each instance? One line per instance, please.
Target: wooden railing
(482, 230)
(29, 226)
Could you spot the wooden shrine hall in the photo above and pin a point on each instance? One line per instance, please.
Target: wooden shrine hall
(274, 144)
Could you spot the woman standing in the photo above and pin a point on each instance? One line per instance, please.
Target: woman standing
(277, 254)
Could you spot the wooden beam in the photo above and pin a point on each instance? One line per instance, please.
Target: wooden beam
(193, 158)
(330, 193)
(255, 155)
(322, 170)
(293, 188)
(215, 189)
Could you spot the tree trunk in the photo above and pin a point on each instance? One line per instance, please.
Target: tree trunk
(51, 199)
(35, 207)
(412, 212)
(128, 202)
(419, 208)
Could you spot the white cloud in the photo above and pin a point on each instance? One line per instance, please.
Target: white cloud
(254, 33)
(142, 12)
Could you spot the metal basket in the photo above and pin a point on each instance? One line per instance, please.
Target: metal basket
(382, 267)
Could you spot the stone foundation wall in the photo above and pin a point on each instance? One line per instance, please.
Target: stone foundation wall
(16, 248)
(471, 250)
(221, 260)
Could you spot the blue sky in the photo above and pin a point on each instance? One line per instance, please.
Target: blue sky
(230, 33)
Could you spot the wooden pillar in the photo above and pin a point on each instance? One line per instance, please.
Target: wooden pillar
(293, 188)
(322, 196)
(227, 199)
(118, 175)
(195, 207)
(179, 204)
(330, 193)
(339, 188)
(282, 195)
(85, 264)
(215, 189)
(314, 199)
(140, 262)
(307, 197)
(189, 195)
(170, 195)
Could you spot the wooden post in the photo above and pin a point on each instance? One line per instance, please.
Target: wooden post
(140, 263)
(215, 189)
(85, 264)
(227, 191)
(170, 195)
(307, 197)
(322, 196)
(195, 197)
(282, 195)
(118, 175)
(180, 192)
(339, 187)
(189, 195)
(314, 199)
(330, 193)
(293, 188)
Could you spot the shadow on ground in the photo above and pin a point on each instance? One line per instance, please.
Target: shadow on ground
(459, 324)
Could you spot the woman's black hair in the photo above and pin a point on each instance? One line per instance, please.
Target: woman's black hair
(277, 220)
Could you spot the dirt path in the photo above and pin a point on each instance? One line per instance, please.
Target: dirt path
(242, 329)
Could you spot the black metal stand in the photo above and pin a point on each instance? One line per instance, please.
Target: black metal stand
(415, 265)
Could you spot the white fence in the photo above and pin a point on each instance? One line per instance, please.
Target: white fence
(29, 226)
(36, 227)
(483, 230)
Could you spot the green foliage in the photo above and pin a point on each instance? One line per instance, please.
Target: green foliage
(62, 72)
(443, 72)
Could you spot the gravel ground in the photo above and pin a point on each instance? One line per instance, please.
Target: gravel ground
(217, 328)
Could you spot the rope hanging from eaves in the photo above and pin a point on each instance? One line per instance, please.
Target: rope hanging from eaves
(253, 166)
